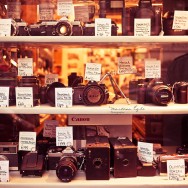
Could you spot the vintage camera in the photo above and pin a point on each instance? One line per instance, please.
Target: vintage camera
(146, 169)
(89, 29)
(31, 81)
(90, 94)
(123, 157)
(32, 164)
(163, 162)
(19, 28)
(180, 92)
(56, 28)
(97, 158)
(74, 80)
(143, 10)
(10, 152)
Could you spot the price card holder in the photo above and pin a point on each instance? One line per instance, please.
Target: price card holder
(63, 97)
(4, 171)
(93, 72)
(5, 25)
(180, 21)
(102, 27)
(24, 96)
(25, 66)
(64, 7)
(4, 96)
(142, 27)
(27, 141)
(125, 65)
(81, 13)
(64, 136)
(176, 169)
(51, 78)
(49, 129)
(145, 152)
(152, 68)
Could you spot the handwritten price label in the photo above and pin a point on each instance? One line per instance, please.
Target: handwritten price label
(152, 68)
(27, 141)
(93, 71)
(64, 136)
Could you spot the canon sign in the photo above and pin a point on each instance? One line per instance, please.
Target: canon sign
(80, 119)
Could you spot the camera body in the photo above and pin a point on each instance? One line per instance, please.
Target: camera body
(19, 28)
(143, 10)
(89, 29)
(56, 28)
(90, 94)
(10, 151)
(123, 157)
(97, 158)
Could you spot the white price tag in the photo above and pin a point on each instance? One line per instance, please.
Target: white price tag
(51, 78)
(64, 7)
(4, 96)
(125, 65)
(93, 71)
(24, 96)
(46, 11)
(64, 136)
(142, 27)
(180, 21)
(13, 9)
(81, 13)
(152, 68)
(4, 171)
(50, 128)
(102, 27)
(63, 97)
(145, 152)
(25, 66)
(27, 141)
(5, 27)
(176, 169)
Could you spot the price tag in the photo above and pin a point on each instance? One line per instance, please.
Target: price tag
(93, 71)
(50, 128)
(81, 13)
(5, 27)
(63, 97)
(64, 136)
(27, 141)
(25, 66)
(4, 171)
(145, 152)
(51, 78)
(142, 27)
(24, 96)
(64, 7)
(180, 20)
(46, 11)
(4, 96)
(125, 65)
(152, 68)
(13, 9)
(176, 169)
(102, 27)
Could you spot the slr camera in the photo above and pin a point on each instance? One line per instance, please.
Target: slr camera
(90, 94)
(180, 92)
(19, 28)
(89, 29)
(56, 28)
(9, 151)
(143, 10)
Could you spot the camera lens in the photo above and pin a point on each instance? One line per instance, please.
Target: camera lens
(66, 169)
(64, 28)
(97, 162)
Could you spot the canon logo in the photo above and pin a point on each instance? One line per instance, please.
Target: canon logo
(80, 119)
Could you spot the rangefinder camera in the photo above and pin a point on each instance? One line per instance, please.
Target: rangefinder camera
(56, 28)
(90, 94)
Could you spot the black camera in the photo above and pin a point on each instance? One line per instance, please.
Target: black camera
(90, 94)
(56, 28)
(180, 92)
(123, 158)
(10, 152)
(97, 158)
(143, 10)
(19, 28)
(74, 80)
(89, 29)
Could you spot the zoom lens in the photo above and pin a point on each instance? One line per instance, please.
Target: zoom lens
(64, 28)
